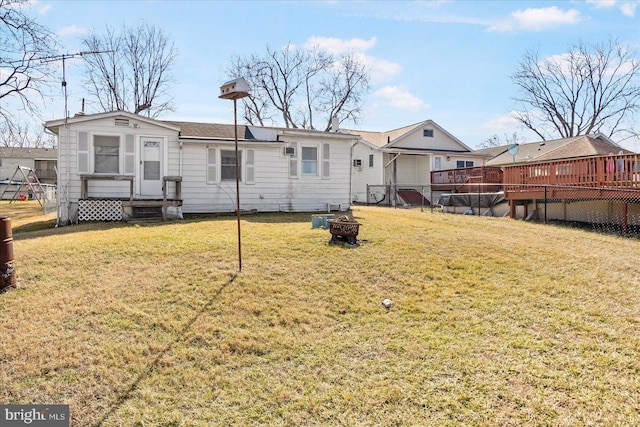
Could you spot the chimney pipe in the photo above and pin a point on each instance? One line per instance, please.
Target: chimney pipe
(335, 124)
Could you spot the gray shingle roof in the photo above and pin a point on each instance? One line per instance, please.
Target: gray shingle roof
(210, 130)
(29, 153)
(557, 149)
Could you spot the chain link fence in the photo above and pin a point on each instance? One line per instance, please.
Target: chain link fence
(603, 209)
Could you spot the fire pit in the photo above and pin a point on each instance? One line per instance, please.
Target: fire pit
(344, 230)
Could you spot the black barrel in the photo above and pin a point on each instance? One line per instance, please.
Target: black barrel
(7, 269)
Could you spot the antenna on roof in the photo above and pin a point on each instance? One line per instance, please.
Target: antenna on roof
(63, 58)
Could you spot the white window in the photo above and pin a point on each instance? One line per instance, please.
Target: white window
(428, 133)
(228, 165)
(464, 164)
(106, 151)
(309, 161)
(357, 163)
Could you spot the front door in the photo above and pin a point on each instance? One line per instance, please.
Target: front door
(151, 167)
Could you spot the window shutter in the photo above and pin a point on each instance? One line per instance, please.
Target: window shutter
(250, 177)
(129, 155)
(293, 163)
(83, 153)
(326, 161)
(212, 170)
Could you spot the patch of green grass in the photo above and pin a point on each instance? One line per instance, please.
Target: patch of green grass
(494, 322)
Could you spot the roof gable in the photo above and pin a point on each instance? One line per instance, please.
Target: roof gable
(411, 137)
(53, 125)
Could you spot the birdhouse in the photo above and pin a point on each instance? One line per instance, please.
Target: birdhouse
(234, 89)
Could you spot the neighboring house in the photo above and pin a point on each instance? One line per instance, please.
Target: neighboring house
(120, 156)
(555, 180)
(404, 158)
(41, 160)
(557, 149)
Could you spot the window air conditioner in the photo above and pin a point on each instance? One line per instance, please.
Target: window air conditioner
(290, 151)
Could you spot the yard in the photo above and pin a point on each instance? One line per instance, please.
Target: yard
(494, 322)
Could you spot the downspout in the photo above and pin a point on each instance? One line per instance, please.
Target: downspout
(57, 169)
(180, 158)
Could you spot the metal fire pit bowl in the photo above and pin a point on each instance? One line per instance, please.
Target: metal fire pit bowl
(344, 230)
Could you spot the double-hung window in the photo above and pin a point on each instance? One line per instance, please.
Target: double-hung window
(309, 159)
(106, 154)
(228, 165)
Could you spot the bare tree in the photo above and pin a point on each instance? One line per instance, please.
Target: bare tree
(135, 73)
(592, 88)
(495, 141)
(14, 133)
(303, 87)
(24, 43)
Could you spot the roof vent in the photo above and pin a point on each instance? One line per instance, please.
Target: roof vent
(122, 121)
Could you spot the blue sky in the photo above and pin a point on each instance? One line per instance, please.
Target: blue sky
(449, 61)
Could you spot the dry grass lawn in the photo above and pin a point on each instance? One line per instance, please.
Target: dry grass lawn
(494, 322)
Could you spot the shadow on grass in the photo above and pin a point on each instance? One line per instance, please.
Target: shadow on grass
(151, 367)
(48, 227)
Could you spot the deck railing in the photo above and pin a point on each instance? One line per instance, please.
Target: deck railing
(614, 171)
(457, 180)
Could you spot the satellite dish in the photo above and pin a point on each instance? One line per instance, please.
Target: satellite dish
(513, 150)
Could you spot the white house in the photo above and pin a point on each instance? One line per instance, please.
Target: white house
(404, 158)
(41, 160)
(112, 163)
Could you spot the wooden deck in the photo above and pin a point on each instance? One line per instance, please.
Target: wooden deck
(600, 177)
(167, 200)
(485, 179)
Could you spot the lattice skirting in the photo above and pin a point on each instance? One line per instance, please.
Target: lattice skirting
(100, 210)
